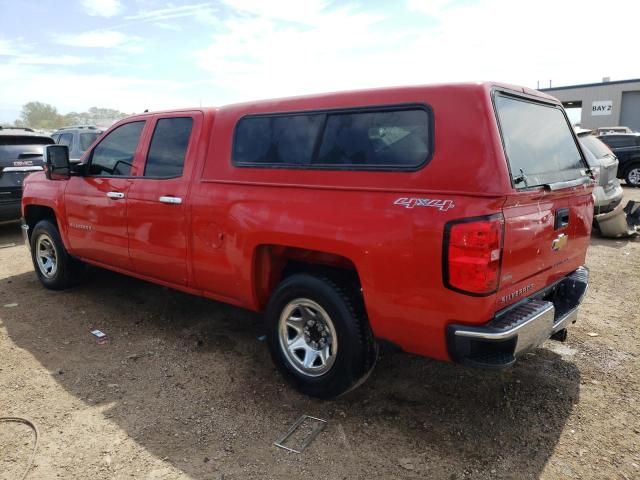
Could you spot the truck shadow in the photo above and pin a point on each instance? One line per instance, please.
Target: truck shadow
(190, 381)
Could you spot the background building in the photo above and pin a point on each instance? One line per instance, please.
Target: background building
(605, 104)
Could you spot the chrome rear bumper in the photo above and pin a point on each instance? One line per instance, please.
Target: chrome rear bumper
(521, 327)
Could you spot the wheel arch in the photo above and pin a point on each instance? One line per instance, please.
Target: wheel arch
(272, 263)
(34, 213)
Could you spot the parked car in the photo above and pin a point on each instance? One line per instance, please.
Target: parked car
(626, 146)
(608, 130)
(607, 193)
(350, 219)
(78, 138)
(20, 154)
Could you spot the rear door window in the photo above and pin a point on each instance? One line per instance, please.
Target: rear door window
(86, 139)
(65, 139)
(168, 147)
(538, 142)
(619, 141)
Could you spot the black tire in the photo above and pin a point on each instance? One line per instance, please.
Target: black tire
(357, 350)
(632, 175)
(67, 269)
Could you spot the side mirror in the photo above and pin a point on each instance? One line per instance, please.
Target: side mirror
(56, 162)
(78, 169)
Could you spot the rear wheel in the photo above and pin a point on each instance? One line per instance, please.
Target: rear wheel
(632, 177)
(55, 268)
(318, 335)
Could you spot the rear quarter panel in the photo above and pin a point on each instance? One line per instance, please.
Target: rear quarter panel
(397, 250)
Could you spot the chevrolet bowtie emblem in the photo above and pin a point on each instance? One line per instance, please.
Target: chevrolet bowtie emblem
(560, 242)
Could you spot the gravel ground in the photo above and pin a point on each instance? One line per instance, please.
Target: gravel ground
(184, 389)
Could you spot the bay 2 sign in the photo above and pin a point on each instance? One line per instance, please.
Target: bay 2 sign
(602, 107)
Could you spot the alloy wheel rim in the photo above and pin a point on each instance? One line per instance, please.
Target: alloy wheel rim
(634, 176)
(308, 337)
(46, 256)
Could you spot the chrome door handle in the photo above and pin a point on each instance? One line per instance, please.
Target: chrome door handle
(115, 195)
(170, 200)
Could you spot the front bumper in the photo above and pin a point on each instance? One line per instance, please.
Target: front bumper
(9, 210)
(520, 327)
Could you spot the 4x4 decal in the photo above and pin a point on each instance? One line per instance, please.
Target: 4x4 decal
(442, 205)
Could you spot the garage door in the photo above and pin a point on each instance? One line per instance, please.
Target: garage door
(630, 113)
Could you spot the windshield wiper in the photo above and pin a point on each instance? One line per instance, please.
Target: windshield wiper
(567, 183)
(520, 178)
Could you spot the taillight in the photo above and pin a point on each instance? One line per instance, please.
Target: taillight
(472, 254)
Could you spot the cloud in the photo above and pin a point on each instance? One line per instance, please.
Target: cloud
(307, 12)
(288, 48)
(30, 59)
(79, 91)
(168, 26)
(274, 52)
(170, 13)
(20, 53)
(95, 39)
(102, 8)
(433, 8)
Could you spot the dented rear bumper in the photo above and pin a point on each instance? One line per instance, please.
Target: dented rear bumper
(520, 327)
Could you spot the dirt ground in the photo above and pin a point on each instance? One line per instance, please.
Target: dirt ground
(184, 389)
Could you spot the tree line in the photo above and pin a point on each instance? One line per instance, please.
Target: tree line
(44, 116)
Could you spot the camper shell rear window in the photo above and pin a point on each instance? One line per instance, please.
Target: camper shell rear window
(382, 138)
(538, 142)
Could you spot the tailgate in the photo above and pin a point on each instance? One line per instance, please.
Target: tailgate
(19, 156)
(547, 218)
(546, 237)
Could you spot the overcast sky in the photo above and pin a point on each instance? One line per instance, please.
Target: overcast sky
(138, 54)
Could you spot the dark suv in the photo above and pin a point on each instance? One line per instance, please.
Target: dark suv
(78, 138)
(20, 154)
(626, 147)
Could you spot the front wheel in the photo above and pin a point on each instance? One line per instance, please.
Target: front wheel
(55, 268)
(318, 335)
(632, 177)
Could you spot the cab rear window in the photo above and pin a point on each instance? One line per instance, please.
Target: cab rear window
(386, 138)
(538, 142)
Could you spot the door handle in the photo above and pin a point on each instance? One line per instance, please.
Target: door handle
(115, 195)
(562, 218)
(170, 200)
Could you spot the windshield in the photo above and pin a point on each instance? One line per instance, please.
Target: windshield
(595, 146)
(21, 147)
(538, 142)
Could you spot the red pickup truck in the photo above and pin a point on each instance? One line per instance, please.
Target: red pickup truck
(450, 221)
